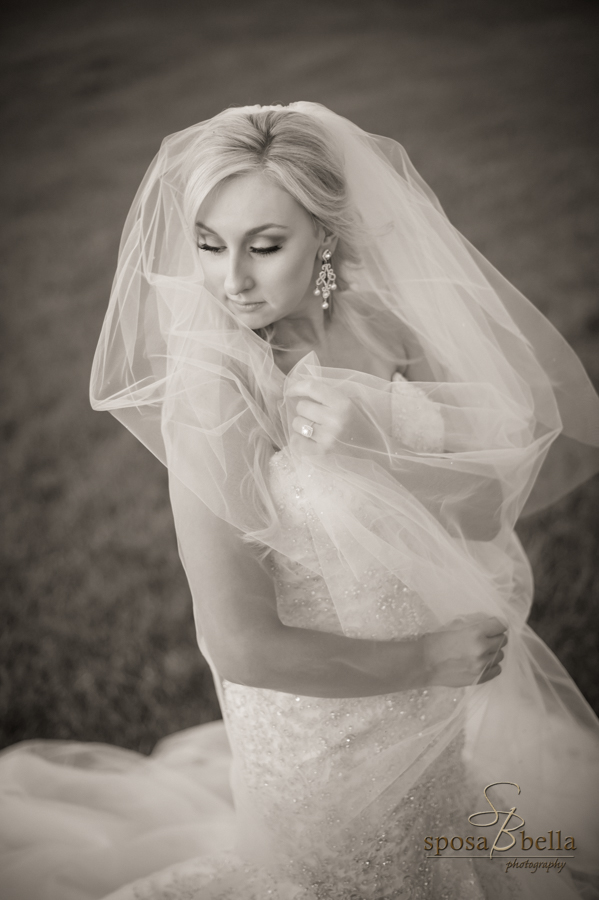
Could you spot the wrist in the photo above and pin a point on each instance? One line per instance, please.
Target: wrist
(406, 664)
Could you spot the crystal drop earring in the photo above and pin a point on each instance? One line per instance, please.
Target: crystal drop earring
(325, 283)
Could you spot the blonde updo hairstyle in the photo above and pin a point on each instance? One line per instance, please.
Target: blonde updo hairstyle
(291, 149)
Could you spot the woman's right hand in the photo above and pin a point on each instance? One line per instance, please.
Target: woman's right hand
(467, 651)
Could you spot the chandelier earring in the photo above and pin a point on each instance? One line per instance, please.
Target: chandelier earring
(325, 283)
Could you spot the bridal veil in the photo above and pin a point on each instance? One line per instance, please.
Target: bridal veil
(520, 427)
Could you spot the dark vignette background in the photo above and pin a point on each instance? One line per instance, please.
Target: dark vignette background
(495, 102)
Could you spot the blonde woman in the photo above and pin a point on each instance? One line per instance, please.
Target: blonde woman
(354, 409)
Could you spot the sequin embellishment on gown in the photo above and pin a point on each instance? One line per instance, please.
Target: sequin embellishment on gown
(298, 753)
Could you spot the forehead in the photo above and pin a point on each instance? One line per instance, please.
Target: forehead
(246, 202)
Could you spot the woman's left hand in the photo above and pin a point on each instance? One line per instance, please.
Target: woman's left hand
(335, 419)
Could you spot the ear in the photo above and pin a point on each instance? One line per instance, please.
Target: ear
(329, 242)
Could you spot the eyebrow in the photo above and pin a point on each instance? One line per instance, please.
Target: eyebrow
(248, 233)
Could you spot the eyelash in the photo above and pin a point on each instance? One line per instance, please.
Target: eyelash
(261, 251)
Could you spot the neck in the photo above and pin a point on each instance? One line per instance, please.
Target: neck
(303, 331)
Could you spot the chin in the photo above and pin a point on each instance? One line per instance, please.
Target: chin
(257, 319)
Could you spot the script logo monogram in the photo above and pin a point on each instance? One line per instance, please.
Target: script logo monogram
(494, 820)
(507, 821)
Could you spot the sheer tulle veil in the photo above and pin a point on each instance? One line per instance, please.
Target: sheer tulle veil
(521, 421)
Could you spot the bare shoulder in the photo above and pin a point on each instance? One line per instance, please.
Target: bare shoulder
(380, 331)
(408, 352)
(386, 332)
(417, 367)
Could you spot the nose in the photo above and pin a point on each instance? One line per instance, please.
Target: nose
(237, 278)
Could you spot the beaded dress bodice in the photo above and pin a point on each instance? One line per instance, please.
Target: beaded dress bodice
(299, 753)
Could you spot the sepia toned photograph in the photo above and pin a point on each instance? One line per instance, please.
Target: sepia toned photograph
(300, 426)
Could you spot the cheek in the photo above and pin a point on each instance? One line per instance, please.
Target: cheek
(291, 276)
(213, 278)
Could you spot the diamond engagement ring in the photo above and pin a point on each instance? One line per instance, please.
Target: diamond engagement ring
(307, 430)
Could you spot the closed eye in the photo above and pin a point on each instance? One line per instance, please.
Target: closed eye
(262, 251)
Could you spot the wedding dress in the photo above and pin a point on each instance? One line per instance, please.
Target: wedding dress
(82, 818)
(359, 798)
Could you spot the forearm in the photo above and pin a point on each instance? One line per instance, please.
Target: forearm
(323, 664)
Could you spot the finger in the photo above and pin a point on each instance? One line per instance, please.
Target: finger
(316, 390)
(495, 643)
(494, 657)
(489, 673)
(320, 435)
(300, 422)
(314, 412)
(494, 626)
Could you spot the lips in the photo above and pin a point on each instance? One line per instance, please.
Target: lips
(247, 307)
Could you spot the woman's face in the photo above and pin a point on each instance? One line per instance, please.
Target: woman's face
(260, 250)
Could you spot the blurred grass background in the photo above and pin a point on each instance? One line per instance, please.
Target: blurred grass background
(496, 104)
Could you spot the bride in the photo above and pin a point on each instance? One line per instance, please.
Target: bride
(354, 408)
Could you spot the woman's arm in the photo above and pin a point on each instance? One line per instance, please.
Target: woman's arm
(235, 604)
